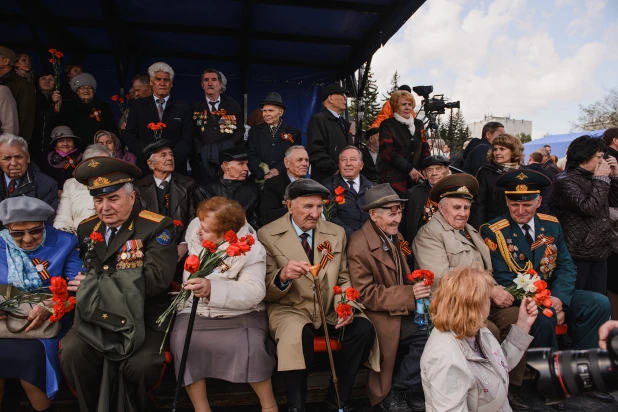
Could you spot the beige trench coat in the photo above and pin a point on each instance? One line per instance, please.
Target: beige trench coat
(291, 309)
(439, 247)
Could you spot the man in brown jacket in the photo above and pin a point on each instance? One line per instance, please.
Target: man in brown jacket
(377, 262)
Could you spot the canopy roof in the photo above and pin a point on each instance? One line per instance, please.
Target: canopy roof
(558, 142)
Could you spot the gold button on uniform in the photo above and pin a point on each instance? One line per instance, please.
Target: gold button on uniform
(105, 267)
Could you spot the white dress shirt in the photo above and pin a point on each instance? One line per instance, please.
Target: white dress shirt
(158, 181)
(164, 98)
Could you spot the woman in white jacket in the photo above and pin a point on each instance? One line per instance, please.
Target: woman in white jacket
(76, 204)
(463, 366)
(230, 338)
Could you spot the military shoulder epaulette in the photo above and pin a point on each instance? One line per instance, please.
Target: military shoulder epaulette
(148, 215)
(501, 224)
(549, 218)
(90, 219)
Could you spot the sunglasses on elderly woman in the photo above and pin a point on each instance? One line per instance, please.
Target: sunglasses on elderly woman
(18, 234)
(393, 208)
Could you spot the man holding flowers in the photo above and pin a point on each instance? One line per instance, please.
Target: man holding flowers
(293, 243)
(377, 261)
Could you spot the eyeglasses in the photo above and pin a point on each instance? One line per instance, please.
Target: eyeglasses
(393, 208)
(19, 234)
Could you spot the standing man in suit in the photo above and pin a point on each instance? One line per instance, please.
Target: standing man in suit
(268, 141)
(166, 192)
(272, 204)
(160, 107)
(327, 133)
(218, 122)
(291, 244)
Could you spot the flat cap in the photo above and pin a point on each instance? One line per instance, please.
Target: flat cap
(523, 185)
(83, 79)
(380, 195)
(154, 147)
(60, 132)
(238, 153)
(305, 187)
(331, 89)
(461, 185)
(434, 160)
(24, 209)
(104, 174)
(371, 132)
(8, 53)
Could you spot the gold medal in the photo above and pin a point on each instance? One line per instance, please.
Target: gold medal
(140, 263)
(124, 256)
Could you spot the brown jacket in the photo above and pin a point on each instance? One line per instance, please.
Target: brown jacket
(385, 299)
(289, 310)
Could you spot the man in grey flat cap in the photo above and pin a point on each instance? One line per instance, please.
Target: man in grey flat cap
(293, 243)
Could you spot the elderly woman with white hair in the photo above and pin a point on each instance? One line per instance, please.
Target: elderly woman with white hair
(160, 107)
(86, 114)
(76, 203)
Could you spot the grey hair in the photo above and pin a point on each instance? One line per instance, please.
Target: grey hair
(96, 149)
(220, 75)
(161, 67)
(11, 62)
(13, 140)
(128, 187)
(349, 148)
(543, 151)
(290, 149)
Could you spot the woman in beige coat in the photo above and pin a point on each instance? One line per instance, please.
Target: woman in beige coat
(463, 366)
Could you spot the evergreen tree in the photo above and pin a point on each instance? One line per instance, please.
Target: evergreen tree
(394, 86)
(454, 131)
(370, 100)
(525, 138)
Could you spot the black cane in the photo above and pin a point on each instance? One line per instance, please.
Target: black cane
(185, 352)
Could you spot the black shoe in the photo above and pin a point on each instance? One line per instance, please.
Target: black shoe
(601, 396)
(415, 400)
(395, 401)
(331, 402)
(560, 406)
(517, 402)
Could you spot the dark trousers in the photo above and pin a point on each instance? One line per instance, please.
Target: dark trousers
(587, 312)
(356, 346)
(591, 275)
(407, 372)
(82, 366)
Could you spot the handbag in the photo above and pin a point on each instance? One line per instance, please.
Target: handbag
(14, 326)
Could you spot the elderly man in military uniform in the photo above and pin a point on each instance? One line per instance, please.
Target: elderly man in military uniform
(524, 240)
(293, 243)
(111, 355)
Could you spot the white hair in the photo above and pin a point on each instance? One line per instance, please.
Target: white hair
(360, 154)
(289, 150)
(161, 67)
(13, 140)
(128, 187)
(96, 149)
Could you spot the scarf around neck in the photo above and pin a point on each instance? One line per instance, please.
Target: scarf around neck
(393, 249)
(22, 273)
(409, 123)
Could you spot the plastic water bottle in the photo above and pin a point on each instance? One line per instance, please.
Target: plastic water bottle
(420, 315)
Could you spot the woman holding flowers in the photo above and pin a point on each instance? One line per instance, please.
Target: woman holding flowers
(463, 366)
(34, 256)
(230, 336)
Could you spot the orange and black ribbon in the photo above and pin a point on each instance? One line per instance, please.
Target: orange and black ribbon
(324, 248)
(44, 274)
(542, 239)
(405, 247)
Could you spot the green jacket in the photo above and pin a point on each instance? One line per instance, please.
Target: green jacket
(550, 259)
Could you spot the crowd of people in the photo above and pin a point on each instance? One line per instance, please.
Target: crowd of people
(370, 216)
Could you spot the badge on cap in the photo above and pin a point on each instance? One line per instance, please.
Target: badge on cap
(164, 238)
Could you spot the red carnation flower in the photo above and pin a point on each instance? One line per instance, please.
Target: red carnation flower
(339, 190)
(250, 240)
(344, 310)
(211, 246)
(178, 223)
(351, 294)
(337, 290)
(231, 237)
(96, 237)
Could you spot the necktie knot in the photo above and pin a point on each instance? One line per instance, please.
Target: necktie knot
(12, 185)
(526, 227)
(161, 101)
(304, 236)
(163, 184)
(112, 235)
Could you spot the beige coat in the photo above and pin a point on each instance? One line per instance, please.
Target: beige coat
(457, 380)
(75, 205)
(439, 247)
(289, 310)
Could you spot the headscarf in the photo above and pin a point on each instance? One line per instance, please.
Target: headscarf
(22, 273)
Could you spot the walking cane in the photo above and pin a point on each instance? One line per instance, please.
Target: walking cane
(318, 291)
(185, 352)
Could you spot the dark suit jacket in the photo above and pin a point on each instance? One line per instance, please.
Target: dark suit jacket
(212, 132)
(182, 199)
(262, 147)
(349, 215)
(325, 140)
(272, 206)
(179, 130)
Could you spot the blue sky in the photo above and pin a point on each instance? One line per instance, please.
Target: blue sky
(533, 60)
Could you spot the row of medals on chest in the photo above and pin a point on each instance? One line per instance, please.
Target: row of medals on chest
(130, 255)
(227, 122)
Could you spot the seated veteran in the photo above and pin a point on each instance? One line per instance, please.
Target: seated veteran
(112, 349)
(64, 157)
(524, 239)
(230, 337)
(464, 367)
(109, 140)
(33, 252)
(268, 141)
(76, 203)
(293, 243)
(21, 177)
(167, 192)
(272, 204)
(448, 242)
(349, 215)
(420, 209)
(234, 185)
(378, 269)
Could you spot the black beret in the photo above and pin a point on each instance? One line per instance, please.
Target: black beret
(434, 160)
(371, 132)
(332, 89)
(154, 147)
(305, 187)
(233, 153)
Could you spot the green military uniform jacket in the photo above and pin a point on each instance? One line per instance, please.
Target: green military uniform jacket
(550, 257)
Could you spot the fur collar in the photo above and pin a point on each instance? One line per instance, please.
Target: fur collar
(408, 122)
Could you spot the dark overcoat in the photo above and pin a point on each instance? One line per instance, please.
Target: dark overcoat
(263, 147)
(325, 140)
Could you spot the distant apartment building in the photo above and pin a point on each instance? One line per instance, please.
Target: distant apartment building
(511, 126)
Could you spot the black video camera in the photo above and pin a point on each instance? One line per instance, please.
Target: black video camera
(562, 374)
(433, 106)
